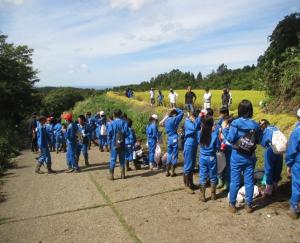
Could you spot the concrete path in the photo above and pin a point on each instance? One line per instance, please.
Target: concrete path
(146, 207)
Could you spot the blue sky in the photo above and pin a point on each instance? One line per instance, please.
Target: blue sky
(113, 42)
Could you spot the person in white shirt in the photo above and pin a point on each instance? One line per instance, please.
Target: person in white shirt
(173, 98)
(152, 97)
(207, 99)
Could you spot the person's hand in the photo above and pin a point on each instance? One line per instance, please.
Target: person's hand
(289, 171)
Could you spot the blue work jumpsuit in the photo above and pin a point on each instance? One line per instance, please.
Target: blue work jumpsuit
(82, 145)
(152, 136)
(43, 143)
(129, 143)
(71, 145)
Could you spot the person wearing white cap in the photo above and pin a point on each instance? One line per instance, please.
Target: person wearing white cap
(101, 131)
(152, 97)
(292, 160)
(152, 136)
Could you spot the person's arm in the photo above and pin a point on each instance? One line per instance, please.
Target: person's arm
(162, 122)
(179, 116)
(293, 148)
(232, 134)
(194, 97)
(265, 138)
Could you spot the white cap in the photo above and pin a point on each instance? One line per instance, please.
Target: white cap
(102, 113)
(154, 116)
(298, 113)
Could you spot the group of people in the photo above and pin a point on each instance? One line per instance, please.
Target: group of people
(235, 137)
(190, 98)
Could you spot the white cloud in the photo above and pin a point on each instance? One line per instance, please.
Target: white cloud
(14, 2)
(131, 4)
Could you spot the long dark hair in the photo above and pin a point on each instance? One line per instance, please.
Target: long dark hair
(245, 109)
(206, 130)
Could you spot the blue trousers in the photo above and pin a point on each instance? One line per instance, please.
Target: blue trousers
(228, 152)
(114, 154)
(295, 198)
(82, 148)
(248, 171)
(102, 140)
(71, 156)
(151, 147)
(45, 156)
(172, 153)
(273, 166)
(208, 168)
(128, 152)
(189, 154)
(59, 141)
(52, 141)
(189, 107)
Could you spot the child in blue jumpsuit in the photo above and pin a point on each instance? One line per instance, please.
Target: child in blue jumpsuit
(102, 132)
(43, 143)
(191, 127)
(171, 125)
(209, 143)
(242, 162)
(119, 127)
(293, 162)
(92, 123)
(50, 131)
(152, 137)
(129, 143)
(272, 162)
(59, 138)
(71, 138)
(83, 142)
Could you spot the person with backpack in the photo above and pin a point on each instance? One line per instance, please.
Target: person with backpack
(117, 135)
(191, 127)
(129, 143)
(152, 137)
(272, 161)
(43, 144)
(225, 98)
(292, 160)
(71, 138)
(171, 123)
(209, 143)
(244, 135)
(83, 139)
(102, 132)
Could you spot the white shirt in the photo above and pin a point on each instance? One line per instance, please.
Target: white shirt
(151, 94)
(207, 97)
(173, 97)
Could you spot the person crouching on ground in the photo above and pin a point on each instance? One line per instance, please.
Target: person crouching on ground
(171, 123)
(293, 162)
(71, 138)
(83, 139)
(43, 143)
(209, 143)
(152, 137)
(117, 134)
(129, 143)
(191, 127)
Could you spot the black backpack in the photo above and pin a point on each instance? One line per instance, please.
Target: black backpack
(120, 140)
(246, 144)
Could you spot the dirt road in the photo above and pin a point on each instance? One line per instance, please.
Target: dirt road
(146, 207)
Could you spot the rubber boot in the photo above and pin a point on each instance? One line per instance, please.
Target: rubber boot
(293, 213)
(111, 175)
(202, 193)
(191, 180)
(220, 183)
(173, 174)
(127, 166)
(184, 180)
(107, 148)
(86, 161)
(213, 192)
(122, 172)
(249, 209)
(38, 168)
(232, 208)
(188, 187)
(168, 170)
(135, 165)
(49, 169)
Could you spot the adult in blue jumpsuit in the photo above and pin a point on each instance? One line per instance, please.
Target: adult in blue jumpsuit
(92, 123)
(209, 144)
(272, 162)
(71, 138)
(191, 126)
(43, 144)
(83, 141)
(171, 125)
(59, 137)
(152, 137)
(129, 143)
(242, 162)
(101, 131)
(293, 162)
(108, 129)
(119, 127)
(50, 131)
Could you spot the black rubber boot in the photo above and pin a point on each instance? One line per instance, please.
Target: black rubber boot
(213, 192)
(188, 187)
(123, 173)
(191, 181)
(49, 169)
(184, 180)
(86, 161)
(107, 148)
(38, 168)
(202, 194)
(168, 170)
(111, 175)
(173, 174)
(127, 166)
